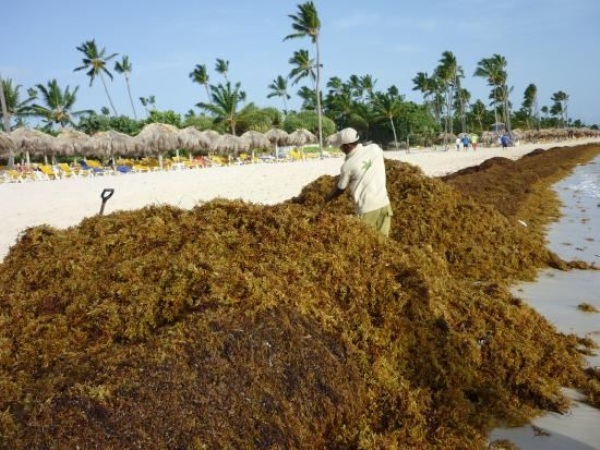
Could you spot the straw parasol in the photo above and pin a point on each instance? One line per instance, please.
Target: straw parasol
(277, 137)
(70, 142)
(330, 140)
(6, 144)
(230, 144)
(111, 143)
(32, 141)
(159, 138)
(301, 137)
(192, 139)
(255, 140)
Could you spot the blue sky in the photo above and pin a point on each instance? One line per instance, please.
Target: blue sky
(552, 43)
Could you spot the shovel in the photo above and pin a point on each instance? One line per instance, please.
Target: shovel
(106, 194)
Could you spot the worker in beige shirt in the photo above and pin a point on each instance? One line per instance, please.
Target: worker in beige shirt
(363, 172)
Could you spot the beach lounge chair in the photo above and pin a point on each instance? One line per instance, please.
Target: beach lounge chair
(88, 166)
(49, 171)
(65, 171)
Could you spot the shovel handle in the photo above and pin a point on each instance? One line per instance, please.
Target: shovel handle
(106, 194)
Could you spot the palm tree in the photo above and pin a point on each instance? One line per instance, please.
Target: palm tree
(389, 107)
(200, 75)
(494, 70)
(124, 67)
(149, 103)
(95, 63)
(529, 106)
(448, 73)
(279, 89)
(479, 111)
(308, 96)
(224, 105)
(559, 108)
(58, 104)
(222, 67)
(304, 67)
(5, 116)
(306, 23)
(12, 103)
(367, 84)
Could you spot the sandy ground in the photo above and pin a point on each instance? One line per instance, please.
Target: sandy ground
(65, 203)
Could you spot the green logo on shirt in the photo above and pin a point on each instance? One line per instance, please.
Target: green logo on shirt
(367, 165)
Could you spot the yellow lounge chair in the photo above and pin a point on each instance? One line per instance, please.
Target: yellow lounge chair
(48, 171)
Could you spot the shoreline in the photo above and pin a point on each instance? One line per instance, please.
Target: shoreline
(555, 295)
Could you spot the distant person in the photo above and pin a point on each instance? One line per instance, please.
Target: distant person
(466, 141)
(504, 141)
(474, 141)
(458, 144)
(363, 171)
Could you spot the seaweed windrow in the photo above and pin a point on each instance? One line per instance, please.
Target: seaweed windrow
(236, 325)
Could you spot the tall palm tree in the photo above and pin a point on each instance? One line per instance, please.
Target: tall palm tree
(561, 100)
(58, 104)
(447, 73)
(95, 63)
(12, 103)
(389, 107)
(124, 67)
(529, 106)
(200, 75)
(222, 67)
(306, 23)
(279, 89)
(225, 102)
(5, 116)
(304, 67)
(367, 84)
(494, 70)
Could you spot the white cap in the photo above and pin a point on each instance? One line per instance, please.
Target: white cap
(345, 136)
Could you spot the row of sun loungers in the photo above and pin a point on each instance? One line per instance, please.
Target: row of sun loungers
(94, 168)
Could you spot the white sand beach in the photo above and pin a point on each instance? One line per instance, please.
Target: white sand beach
(64, 203)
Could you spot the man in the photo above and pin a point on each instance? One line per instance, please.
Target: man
(364, 172)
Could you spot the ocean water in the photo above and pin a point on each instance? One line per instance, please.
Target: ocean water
(556, 295)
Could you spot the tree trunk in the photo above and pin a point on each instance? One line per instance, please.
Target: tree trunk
(394, 131)
(108, 95)
(130, 98)
(6, 120)
(318, 92)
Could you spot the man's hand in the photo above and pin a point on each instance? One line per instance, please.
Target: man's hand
(335, 193)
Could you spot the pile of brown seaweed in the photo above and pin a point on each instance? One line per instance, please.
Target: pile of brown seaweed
(236, 325)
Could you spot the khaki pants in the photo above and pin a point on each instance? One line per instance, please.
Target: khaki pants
(380, 219)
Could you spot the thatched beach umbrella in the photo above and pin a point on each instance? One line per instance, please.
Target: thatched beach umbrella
(330, 140)
(33, 141)
(301, 137)
(6, 144)
(70, 142)
(277, 137)
(111, 143)
(255, 140)
(193, 140)
(230, 144)
(159, 138)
